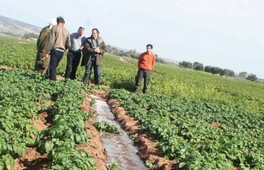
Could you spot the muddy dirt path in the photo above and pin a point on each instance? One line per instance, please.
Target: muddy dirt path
(119, 147)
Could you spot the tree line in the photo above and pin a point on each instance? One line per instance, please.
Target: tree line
(128, 53)
(196, 65)
(25, 36)
(217, 70)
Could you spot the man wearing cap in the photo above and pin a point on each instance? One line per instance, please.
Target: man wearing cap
(59, 42)
(146, 62)
(74, 54)
(42, 62)
(93, 53)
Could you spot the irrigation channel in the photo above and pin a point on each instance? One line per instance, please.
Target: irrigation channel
(119, 147)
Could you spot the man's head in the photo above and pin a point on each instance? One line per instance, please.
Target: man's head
(149, 48)
(81, 31)
(95, 33)
(60, 21)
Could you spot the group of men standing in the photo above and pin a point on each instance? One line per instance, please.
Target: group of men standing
(55, 39)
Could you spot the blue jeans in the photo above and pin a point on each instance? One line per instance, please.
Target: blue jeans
(55, 58)
(88, 70)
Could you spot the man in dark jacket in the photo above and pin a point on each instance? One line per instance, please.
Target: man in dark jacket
(93, 53)
(42, 62)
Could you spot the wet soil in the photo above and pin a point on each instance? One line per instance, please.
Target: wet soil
(95, 146)
(147, 145)
(119, 147)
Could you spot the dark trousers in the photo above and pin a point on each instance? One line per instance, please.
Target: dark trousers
(55, 58)
(73, 60)
(142, 74)
(88, 70)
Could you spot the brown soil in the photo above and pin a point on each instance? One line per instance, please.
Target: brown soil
(31, 160)
(147, 145)
(95, 146)
(42, 123)
(100, 93)
(59, 77)
(216, 125)
(235, 168)
(5, 67)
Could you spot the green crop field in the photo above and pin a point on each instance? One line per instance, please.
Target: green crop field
(202, 120)
(23, 95)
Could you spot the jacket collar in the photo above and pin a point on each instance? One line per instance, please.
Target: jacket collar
(98, 39)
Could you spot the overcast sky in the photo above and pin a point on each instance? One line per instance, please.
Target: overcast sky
(224, 33)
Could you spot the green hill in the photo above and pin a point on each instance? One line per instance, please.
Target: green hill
(9, 26)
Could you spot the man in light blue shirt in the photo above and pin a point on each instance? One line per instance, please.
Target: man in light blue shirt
(74, 53)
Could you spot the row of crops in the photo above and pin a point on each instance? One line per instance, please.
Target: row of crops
(198, 133)
(23, 95)
(202, 120)
(167, 79)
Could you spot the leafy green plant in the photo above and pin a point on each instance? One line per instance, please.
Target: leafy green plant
(150, 165)
(113, 166)
(198, 133)
(21, 98)
(92, 102)
(104, 126)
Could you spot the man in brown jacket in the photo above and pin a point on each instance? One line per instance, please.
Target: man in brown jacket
(42, 63)
(59, 42)
(93, 53)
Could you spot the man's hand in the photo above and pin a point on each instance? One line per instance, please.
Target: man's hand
(81, 48)
(97, 50)
(46, 56)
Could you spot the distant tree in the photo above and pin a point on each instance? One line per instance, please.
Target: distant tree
(186, 64)
(30, 35)
(160, 60)
(109, 49)
(134, 54)
(231, 73)
(227, 72)
(122, 53)
(252, 77)
(10, 33)
(207, 69)
(131, 53)
(243, 75)
(198, 66)
(216, 70)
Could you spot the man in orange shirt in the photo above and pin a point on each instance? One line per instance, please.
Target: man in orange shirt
(146, 62)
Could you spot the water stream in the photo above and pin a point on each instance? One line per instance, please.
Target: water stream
(119, 147)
